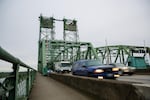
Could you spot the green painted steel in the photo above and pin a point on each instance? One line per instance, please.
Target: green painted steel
(15, 85)
(52, 50)
(138, 62)
(70, 25)
(69, 49)
(130, 55)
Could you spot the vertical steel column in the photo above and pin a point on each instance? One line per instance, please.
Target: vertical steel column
(108, 55)
(104, 56)
(93, 51)
(28, 83)
(86, 56)
(67, 54)
(39, 47)
(122, 56)
(78, 53)
(72, 53)
(16, 72)
(64, 34)
(12, 92)
(116, 57)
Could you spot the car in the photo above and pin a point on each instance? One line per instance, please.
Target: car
(49, 71)
(94, 68)
(62, 67)
(123, 69)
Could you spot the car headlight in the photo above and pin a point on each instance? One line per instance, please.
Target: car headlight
(98, 71)
(115, 69)
(125, 68)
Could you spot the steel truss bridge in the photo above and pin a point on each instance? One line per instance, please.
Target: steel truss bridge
(137, 56)
(52, 50)
(61, 50)
(17, 85)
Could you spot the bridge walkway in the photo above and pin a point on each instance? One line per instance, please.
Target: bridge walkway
(46, 88)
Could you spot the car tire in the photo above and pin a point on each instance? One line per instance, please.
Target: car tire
(73, 73)
(89, 74)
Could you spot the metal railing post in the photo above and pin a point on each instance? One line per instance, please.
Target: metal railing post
(28, 83)
(12, 83)
(16, 72)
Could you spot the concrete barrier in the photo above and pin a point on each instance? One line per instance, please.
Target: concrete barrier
(144, 89)
(143, 71)
(101, 89)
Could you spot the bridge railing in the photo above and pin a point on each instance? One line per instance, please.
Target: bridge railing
(15, 85)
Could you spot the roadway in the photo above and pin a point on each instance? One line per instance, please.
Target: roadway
(136, 79)
(45, 88)
(142, 82)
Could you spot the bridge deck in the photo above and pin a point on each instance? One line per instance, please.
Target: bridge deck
(46, 88)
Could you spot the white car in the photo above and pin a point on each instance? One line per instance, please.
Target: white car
(62, 67)
(123, 69)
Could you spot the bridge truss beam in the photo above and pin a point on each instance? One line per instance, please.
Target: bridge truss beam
(123, 54)
(63, 50)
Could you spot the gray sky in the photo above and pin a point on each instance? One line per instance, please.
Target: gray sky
(125, 22)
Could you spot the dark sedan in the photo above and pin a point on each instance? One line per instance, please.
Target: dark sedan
(93, 68)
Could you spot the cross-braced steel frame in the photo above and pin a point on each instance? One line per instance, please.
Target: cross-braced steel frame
(121, 53)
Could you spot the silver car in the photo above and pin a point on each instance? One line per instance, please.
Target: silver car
(123, 69)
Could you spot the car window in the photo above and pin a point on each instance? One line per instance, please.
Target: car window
(83, 64)
(65, 64)
(120, 65)
(93, 63)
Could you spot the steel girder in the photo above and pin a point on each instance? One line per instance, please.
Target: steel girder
(61, 50)
(120, 53)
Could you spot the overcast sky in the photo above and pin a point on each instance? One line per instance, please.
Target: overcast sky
(125, 22)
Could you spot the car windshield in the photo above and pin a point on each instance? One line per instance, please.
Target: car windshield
(93, 63)
(65, 64)
(120, 65)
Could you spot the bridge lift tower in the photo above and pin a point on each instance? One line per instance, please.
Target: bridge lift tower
(69, 49)
(46, 33)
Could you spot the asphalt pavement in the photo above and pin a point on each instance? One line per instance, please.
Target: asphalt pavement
(141, 82)
(136, 79)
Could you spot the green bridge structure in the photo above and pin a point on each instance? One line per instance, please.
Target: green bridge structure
(71, 49)
(17, 85)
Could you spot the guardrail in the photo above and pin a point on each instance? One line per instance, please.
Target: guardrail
(15, 85)
(102, 89)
